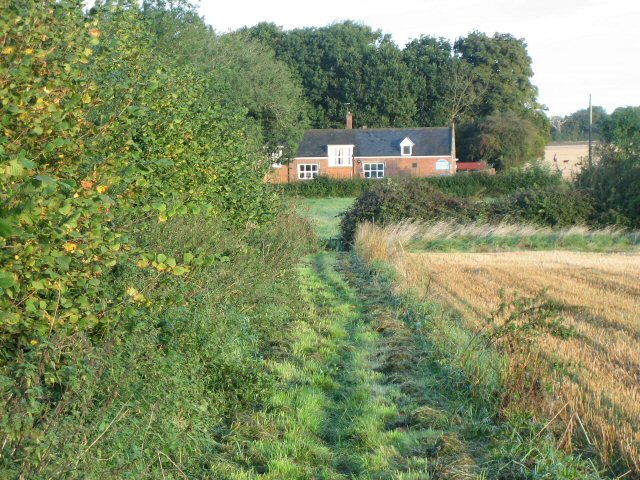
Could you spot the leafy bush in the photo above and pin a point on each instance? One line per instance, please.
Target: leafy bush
(552, 206)
(324, 186)
(392, 201)
(132, 218)
(167, 377)
(613, 182)
(461, 185)
(480, 185)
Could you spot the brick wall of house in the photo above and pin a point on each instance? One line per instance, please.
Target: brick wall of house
(394, 167)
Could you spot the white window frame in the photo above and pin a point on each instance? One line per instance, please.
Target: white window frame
(340, 155)
(310, 173)
(406, 143)
(377, 169)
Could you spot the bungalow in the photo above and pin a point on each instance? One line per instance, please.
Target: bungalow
(370, 153)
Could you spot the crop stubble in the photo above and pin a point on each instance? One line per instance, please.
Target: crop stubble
(599, 382)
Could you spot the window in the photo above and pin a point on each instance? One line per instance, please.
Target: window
(307, 171)
(442, 164)
(340, 155)
(374, 170)
(406, 147)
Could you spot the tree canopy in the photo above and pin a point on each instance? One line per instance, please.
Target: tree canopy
(429, 82)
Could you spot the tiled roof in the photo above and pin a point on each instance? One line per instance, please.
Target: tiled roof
(378, 142)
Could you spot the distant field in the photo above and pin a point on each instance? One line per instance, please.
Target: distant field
(324, 213)
(569, 157)
(597, 371)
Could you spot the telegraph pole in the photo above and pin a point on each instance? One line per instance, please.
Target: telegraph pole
(590, 132)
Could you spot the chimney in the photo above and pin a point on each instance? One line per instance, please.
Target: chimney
(349, 120)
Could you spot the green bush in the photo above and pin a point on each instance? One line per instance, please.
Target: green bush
(392, 201)
(614, 182)
(325, 187)
(482, 185)
(460, 185)
(552, 206)
(171, 374)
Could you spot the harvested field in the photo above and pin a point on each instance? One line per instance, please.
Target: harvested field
(593, 375)
(596, 373)
(569, 158)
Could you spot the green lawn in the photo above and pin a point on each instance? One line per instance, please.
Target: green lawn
(324, 213)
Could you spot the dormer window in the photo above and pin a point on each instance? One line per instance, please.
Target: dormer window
(406, 147)
(340, 155)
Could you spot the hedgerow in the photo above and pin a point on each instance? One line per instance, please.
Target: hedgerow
(460, 185)
(104, 139)
(393, 201)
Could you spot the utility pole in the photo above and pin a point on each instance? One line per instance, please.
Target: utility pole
(590, 132)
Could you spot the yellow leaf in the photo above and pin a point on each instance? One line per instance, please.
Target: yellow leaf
(8, 50)
(70, 247)
(143, 263)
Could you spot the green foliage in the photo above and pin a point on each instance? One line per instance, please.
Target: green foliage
(622, 129)
(504, 140)
(575, 127)
(170, 379)
(552, 206)
(392, 201)
(613, 182)
(107, 138)
(533, 195)
(481, 185)
(502, 69)
(324, 186)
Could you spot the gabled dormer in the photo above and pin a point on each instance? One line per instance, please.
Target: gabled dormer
(406, 147)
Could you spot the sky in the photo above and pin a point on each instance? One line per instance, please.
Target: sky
(577, 47)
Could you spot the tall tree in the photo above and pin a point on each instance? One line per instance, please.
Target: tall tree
(622, 130)
(575, 127)
(502, 69)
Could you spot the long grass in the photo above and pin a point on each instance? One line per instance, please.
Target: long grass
(451, 236)
(593, 374)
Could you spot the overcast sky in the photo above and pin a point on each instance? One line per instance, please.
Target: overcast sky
(578, 47)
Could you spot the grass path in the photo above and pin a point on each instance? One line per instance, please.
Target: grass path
(362, 397)
(359, 394)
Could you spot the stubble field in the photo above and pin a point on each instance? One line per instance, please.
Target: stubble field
(596, 372)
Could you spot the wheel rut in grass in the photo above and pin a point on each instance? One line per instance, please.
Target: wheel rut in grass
(385, 413)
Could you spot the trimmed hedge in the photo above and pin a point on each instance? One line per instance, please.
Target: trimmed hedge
(461, 185)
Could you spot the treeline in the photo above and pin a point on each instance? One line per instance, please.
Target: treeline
(132, 153)
(481, 83)
(605, 127)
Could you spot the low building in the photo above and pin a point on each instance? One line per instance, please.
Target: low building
(370, 153)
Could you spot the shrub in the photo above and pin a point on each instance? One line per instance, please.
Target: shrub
(326, 187)
(552, 206)
(481, 185)
(392, 201)
(613, 183)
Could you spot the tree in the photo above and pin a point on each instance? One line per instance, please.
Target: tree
(345, 63)
(575, 127)
(504, 140)
(622, 130)
(502, 70)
